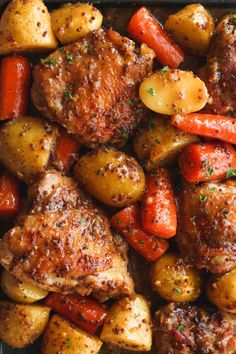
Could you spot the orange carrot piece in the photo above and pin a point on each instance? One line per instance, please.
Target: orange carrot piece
(158, 211)
(209, 161)
(145, 29)
(14, 86)
(128, 222)
(65, 151)
(209, 125)
(9, 196)
(85, 312)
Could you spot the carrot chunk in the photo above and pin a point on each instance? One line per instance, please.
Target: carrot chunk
(9, 196)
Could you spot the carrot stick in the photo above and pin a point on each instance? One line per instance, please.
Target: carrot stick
(14, 86)
(9, 196)
(65, 151)
(128, 222)
(158, 205)
(210, 161)
(85, 312)
(145, 29)
(209, 125)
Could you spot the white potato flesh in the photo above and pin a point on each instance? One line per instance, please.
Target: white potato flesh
(128, 324)
(173, 91)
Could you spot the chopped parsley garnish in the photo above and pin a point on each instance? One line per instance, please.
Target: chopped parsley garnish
(225, 211)
(48, 61)
(130, 102)
(209, 172)
(203, 198)
(206, 211)
(213, 189)
(204, 163)
(165, 69)
(177, 291)
(70, 85)
(151, 125)
(230, 173)
(151, 91)
(68, 95)
(67, 340)
(69, 59)
(181, 327)
(61, 49)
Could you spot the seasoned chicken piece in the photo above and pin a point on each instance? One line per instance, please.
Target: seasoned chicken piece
(91, 87)
(219, 73)
(207, 225)
(186, 329)
(64, 243)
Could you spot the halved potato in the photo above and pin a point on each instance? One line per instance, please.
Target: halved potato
(192, 27)
(63, 337)
(25, 26)
(173, 91)
(25, 146)
(73, 21)
(158, 143)
(21, 291)
(128, 324)
(21, 325)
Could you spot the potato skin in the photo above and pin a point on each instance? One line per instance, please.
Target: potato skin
(64, 338)
(192, 27)
(21, 291)
(128, 324)
(73, 21)
(158, 143)
(21, 325)
(221, 291)
(25, 146)
(173, 91)
(111, 176)
(174, 280)
(25, 26)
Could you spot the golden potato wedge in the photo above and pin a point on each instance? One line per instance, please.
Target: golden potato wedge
(173, 91)
(128, 324)
(21, 325)
(21, 291)
(192, 27)
(175, 280)
(221, 291)
(73, 21)
(25, 146)
(111, 176)
(158, 143)
(64, 338)
(25, 26)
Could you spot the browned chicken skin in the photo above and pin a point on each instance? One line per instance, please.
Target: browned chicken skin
(92, 88)
(187, 329)
(65, 243)
(220, 71)
(207, 225)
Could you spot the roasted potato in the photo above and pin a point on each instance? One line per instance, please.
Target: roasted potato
(173, 91)
(25, 146)
(158, 143)
(64, 338)
(175, 280)
(21, 325)
(25, 26)
(192, 27)
(111, 176)
(128, 324)
(221, 291)
(20, 291)
(73, 21)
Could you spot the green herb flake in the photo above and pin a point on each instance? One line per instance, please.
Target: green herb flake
(207, 211)
(70, 85)
(48, 61)
(165, 69)
(67, 340)
(230, 173)
(209, 172)
(225, 212)
(68, 95)
(213, 189)
(69, 59)
(61, 49)
(181, 327)
(151, 91)
(151, 126)
(203, 198)
(131, 102)
(204, 163)
(97, 172)
(177, 291)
